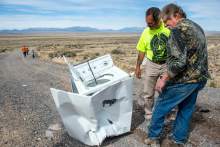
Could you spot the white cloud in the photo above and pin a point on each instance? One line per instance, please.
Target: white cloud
(30, 21)
(98, 13)
(64, 5)
(203, 8)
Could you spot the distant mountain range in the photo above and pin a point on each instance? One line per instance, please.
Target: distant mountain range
(70, 29)
(212, 33)
(82, 29)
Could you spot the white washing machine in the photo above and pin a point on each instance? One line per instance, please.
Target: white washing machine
(100, 104)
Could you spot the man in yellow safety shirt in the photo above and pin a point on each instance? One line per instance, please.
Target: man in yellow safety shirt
(152, 45)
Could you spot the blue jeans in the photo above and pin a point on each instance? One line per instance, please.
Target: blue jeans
(182, 95)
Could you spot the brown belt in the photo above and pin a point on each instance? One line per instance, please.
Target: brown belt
(159, 62)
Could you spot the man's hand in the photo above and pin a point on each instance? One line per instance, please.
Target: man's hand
(138, 66)
(138, 72)
(161, 82)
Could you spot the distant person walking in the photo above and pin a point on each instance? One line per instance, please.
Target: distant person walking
(187, 73)
(27, 50)
(152, 46)
(24, 50)
(33, 54)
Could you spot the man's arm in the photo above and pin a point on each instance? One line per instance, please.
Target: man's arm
(141, 48)
(176, 61)
(140, 59)
(177, 54)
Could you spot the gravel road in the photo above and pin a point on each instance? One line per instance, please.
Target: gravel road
(28, 115)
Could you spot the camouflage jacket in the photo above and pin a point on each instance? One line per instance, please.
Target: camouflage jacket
(187, 53)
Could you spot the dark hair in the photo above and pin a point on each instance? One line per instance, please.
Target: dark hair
(172, 9)
(155, 12)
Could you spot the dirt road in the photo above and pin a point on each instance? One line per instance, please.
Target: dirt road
(28, 115)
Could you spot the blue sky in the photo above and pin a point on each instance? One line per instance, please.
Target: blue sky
(102, 14)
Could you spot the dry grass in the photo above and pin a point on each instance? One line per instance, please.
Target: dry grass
(85, 46)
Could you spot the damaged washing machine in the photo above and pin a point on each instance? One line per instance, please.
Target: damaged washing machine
(100, 104)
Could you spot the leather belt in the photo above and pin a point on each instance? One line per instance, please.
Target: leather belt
(160, 62)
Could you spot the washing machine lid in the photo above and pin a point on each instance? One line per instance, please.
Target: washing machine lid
(94, 67)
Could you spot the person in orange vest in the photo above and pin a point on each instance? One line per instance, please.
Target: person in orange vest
(25, 50)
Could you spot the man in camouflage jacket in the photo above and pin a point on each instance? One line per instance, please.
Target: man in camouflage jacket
(187, 73)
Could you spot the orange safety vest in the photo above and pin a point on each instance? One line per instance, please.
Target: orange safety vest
(24, 49)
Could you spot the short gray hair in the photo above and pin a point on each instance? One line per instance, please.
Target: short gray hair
(172, 9)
